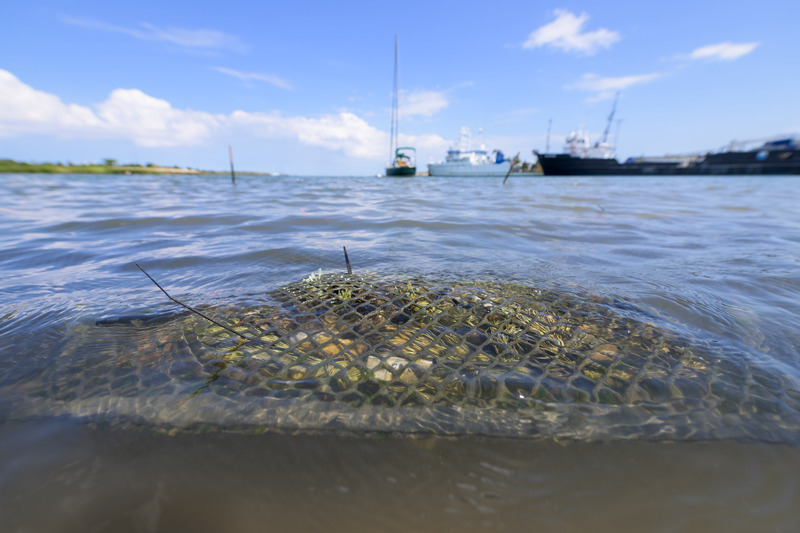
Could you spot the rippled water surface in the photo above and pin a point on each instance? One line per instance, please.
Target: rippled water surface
(716, 257)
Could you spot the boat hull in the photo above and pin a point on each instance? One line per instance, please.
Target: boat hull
(750, 162)
(469, 170)
(401, 171)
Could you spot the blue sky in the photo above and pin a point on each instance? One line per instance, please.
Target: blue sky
(305, 87)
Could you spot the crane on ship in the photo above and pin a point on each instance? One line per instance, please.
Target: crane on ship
(610, 119)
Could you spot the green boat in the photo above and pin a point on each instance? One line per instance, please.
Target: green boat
(404, 163)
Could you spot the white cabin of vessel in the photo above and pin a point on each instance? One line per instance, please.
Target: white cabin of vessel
(463, 161)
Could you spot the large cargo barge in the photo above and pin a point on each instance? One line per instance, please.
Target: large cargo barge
(776, 156)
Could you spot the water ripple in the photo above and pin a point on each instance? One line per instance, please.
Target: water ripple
(717, 257)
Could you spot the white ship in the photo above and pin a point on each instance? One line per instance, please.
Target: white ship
(463, 161)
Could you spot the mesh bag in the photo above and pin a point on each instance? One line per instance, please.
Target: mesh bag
(369, 354)
(362, 341)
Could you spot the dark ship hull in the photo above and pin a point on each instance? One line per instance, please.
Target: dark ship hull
(401, 171)
(772, 160)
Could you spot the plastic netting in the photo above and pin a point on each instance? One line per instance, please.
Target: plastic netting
(371, 354)
(364, 341)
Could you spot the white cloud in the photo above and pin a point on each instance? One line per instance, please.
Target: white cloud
(246, 76)
(126, 114)
(132, 115)
(605, 88)
(343, 131)
(199, 39)
(26, 110)
(564, 33)
(723, 51)
(593, 82)
(423, 103)
(148, 121)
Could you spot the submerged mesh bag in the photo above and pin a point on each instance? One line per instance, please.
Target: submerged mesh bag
(370, 354)
(365, 341)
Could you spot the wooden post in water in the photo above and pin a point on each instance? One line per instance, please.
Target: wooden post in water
(233, 174)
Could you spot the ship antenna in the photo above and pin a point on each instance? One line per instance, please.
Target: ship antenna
(547, 146)
(610, 118)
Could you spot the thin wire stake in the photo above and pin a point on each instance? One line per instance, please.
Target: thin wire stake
(223, 326)
(513, 162)
(347, 260)
(233, 174)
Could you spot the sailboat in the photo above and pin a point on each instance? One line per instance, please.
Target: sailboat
(403, 158)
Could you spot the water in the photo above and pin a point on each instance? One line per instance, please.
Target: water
(716, 257)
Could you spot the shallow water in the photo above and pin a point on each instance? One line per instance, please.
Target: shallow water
(716, 257)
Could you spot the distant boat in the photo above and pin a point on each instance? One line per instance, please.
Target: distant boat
(403, 158)
(779, 155)
(463, 161)
(770, 156)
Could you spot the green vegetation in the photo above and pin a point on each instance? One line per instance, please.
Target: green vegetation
(108, 166)
(313, 277)
(525, 166)
(345, 294)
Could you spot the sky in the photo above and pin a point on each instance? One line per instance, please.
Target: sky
(305, 87)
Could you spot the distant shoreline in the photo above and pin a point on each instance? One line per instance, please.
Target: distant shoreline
(8, 166)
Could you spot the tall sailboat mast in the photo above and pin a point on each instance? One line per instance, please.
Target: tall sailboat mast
(402, 159)
(394, 130)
